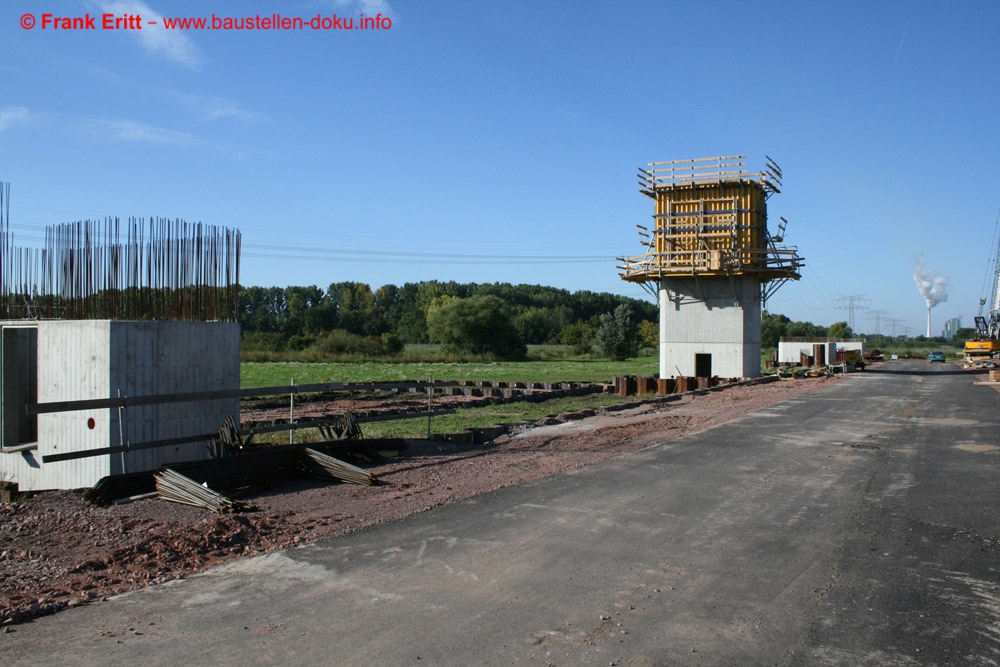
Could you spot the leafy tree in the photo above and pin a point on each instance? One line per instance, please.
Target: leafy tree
(964, 333)
(772, 328)
(477, 325)
(839, 331)
(387, 308)
(439, 302)
(304, 306)
(261, 309)
(391, 343)
(580, 335)
(406, 318)
(649, 333)
(537, 325)
(618, 336)
(354, 305)
(804, 330)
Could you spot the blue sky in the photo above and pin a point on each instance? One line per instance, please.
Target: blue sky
(499, 141)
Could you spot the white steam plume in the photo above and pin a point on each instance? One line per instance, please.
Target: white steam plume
(933, 288)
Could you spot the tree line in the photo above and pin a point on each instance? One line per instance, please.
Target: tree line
(484, 319)
(348, 316)
(774, 327)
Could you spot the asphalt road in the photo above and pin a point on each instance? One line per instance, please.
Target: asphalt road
(854, 525)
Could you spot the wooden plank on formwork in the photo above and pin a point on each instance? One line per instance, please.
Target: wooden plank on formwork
(699, 168)
(686, 175)
(699, 159)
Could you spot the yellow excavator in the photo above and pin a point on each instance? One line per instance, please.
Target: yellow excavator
(986, 345)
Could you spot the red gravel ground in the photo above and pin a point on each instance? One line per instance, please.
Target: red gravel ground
(56, 550)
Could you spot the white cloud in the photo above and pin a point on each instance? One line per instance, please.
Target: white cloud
(132, 131)
(205, 107)
(172, 45)
(11, 116)
(375, 7)
(366, 7)
(214, 108)
(114, 129)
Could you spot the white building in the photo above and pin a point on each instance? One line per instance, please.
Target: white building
(791, 351)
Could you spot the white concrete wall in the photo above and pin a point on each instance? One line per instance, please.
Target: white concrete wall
(93, 359)
(789, 352)
(171, 357)
(72, 366)
(716, 316)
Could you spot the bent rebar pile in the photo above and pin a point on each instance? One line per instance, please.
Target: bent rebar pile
(324, 466)
(163, 269)
(177, 488)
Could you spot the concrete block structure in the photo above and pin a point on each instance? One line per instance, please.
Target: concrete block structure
(712, 262)
(713, 328)
(792, 351)
(52, 361)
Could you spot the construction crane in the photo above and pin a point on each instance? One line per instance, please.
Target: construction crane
(985, 346)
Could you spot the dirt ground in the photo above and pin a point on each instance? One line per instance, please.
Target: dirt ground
(58, 551)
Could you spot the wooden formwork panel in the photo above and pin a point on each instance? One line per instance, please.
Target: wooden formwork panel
(711, 228)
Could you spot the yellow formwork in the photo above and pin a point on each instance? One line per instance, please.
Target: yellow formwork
(710, 229)
(710, 220)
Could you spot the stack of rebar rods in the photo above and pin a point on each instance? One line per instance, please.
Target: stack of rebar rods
(214, 483)
(177, 488)
(256, 469)
(113, 487)
(6, 277)
(324, 466)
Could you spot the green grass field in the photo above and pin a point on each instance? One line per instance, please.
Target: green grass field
(482, 417)
(274, 374)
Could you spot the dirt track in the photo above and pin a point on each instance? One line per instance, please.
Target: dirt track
(56, 550)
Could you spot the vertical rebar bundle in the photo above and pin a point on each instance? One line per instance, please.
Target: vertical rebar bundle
(163, 269)
(4, 246)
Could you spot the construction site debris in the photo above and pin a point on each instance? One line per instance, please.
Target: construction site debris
(176, 488)
(324, 466)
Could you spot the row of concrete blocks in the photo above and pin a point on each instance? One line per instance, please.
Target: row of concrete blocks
(466, 387)
(639, 385)
(488, 397)
(522, 393)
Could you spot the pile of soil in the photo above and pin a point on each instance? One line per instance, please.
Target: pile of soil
(58, 551)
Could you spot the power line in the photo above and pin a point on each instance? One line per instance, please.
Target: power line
(878, 316)
(451, 261)
(850, 304)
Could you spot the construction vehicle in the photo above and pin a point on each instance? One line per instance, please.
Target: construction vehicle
(986, 345)
(854, 360)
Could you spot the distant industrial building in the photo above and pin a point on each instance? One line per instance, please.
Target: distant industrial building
(951, 327)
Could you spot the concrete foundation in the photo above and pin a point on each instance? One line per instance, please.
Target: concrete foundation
(710, 326)
(64, 360)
